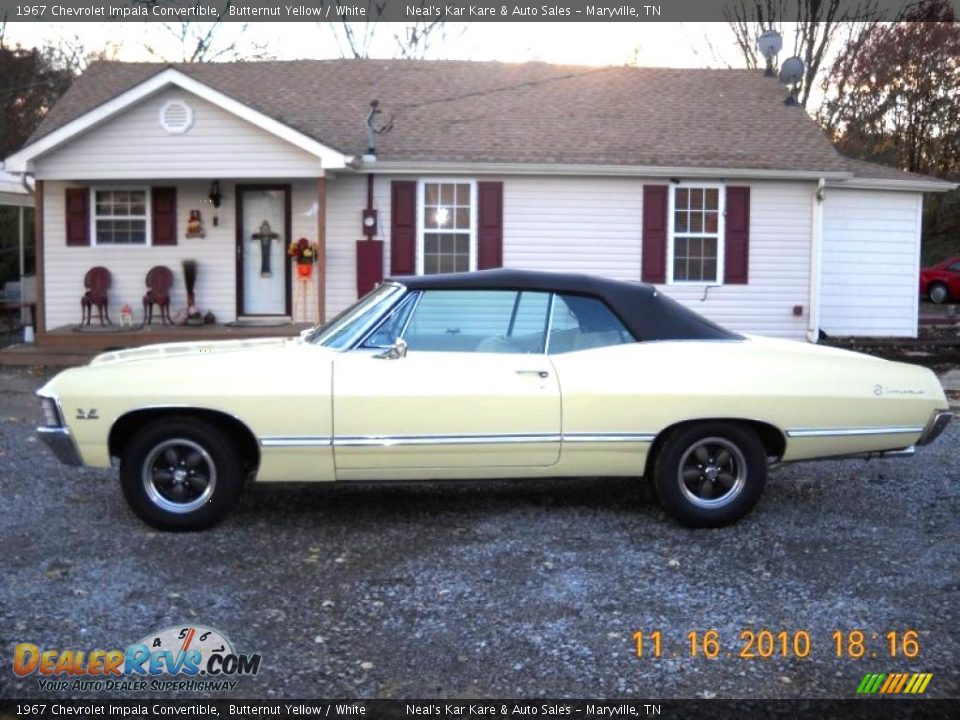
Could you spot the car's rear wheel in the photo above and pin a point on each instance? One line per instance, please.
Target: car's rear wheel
(710, 474)
(180, 473)
(939, 293)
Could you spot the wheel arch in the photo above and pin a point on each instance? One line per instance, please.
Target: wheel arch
(773, 439)
(129, 424)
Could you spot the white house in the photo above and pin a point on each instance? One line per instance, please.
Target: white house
(701, 181)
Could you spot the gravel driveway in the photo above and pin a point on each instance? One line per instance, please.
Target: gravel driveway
(491, 590)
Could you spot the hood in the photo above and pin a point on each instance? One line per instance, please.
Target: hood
(168, 351)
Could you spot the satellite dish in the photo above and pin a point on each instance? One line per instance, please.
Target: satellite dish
(791, 72)
(769, 43)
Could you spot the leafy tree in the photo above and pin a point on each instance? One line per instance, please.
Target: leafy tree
(31, 80)
(897, 92)
(895, 99)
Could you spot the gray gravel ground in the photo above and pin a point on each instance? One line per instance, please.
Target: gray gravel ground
(490, 590)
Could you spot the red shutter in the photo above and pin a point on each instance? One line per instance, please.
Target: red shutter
(737, 236)
(163, 205)
(78, 216)
(489, 225)
(654, 262)
(369, 265)
(403, 227)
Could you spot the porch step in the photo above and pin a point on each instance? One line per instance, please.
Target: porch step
(32, 355)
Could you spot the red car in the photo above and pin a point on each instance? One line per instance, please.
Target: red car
(941, 281)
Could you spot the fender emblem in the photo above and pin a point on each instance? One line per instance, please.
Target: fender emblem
(89, 415)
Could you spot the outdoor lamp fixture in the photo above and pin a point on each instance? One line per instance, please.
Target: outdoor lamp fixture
(215, 196)
(769, 44)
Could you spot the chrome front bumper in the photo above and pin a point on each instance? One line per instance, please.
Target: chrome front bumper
(938, 423)
(59, 440)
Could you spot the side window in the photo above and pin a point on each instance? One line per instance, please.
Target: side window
(955, 267)
(582, 323)
(501, 321)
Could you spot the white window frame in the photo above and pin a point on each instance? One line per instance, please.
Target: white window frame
(721, 231)
(474, 210)
(148, 217)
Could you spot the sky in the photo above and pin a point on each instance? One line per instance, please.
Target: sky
(651, 44)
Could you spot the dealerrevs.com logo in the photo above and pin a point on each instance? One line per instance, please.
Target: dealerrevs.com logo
(178, 658)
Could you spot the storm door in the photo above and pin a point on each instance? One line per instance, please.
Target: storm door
(263, 235)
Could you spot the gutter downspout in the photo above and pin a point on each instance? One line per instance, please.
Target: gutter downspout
(816, 258)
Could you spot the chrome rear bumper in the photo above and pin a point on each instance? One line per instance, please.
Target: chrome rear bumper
(60, 442)
(938, 423)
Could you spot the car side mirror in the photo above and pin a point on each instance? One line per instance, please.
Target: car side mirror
(394, 352)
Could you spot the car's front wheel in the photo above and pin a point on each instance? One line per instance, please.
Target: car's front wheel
(939, 293)
(180, 473)
(710, 474)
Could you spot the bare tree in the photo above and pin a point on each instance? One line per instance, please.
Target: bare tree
(203, 41)
(410, 40)
(816, 24)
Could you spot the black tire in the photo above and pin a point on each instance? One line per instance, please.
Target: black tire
(730, 465)
(939, 293)
(180, 473)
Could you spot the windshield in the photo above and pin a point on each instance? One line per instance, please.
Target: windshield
(349, 325)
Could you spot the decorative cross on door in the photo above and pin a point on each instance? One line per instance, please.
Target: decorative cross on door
(265, 235)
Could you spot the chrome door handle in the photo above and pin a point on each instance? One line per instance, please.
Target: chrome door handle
(539, 373)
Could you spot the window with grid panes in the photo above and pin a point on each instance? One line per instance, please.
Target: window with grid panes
(695, 227)
(446, 239)
(120, 217)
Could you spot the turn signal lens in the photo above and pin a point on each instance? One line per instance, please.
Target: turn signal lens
(51, 417)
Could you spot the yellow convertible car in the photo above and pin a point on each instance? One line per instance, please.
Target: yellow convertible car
(493, 374)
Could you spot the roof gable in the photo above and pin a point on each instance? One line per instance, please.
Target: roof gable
(80, 115)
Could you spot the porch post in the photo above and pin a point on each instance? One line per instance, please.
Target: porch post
(38, 223)
(20, 235)
(322, 249)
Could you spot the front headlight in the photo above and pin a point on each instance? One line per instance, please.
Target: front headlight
(51, 415)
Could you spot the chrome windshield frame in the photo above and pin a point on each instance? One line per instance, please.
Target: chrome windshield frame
(398, 291)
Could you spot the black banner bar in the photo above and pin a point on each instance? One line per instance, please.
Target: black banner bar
(488, 709)
(409, 10)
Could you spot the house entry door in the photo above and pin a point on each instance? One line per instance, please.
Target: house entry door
(263, 235)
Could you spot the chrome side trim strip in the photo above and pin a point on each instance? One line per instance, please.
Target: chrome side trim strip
(609, 437)
(851, 432)
(297, 441)
(477, 439)
(400, 440)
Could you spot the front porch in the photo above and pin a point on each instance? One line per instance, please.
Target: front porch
(68, 345)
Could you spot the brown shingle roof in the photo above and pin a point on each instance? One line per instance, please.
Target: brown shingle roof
(448, 111)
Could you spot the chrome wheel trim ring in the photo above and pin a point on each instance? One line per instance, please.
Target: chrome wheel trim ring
(157, 463)
(735, 466)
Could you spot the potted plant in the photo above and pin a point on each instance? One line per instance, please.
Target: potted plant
(305, 254)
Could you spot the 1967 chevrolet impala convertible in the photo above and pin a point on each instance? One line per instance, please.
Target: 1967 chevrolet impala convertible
(500, 373)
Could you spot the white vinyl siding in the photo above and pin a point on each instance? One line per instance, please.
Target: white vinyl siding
(871, 263)
(218, 145)
(594, 225)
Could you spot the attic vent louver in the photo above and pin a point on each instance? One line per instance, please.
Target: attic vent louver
(176, 117)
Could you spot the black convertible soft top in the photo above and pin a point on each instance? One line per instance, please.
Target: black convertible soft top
(646, 312)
